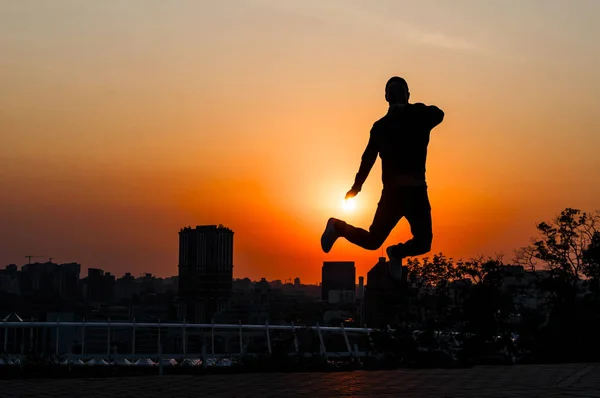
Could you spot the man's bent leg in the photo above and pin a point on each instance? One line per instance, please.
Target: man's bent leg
(387, 215)
(418, 215)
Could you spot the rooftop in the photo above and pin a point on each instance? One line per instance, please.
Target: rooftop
(219, 227)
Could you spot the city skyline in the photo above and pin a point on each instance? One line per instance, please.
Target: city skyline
(142, 275)
(123, 121)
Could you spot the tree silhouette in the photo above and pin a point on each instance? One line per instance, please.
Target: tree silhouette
(486, 307)
(591, 257)
(434, 280)
(480, 269)
(430, 281)
(591, 262)
(561, 245)
(566, 249)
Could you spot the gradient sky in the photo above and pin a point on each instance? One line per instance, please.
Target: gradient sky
(122, 121)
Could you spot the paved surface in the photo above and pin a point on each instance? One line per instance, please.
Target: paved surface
(568, 380)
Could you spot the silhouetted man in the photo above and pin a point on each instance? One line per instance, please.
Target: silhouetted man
(400, 138)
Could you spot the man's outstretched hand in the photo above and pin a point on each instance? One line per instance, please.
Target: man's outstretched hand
(351, 193)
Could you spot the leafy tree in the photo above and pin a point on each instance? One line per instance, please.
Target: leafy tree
(426, 275)
(480, 269)
(561, 244)
(430, 279)
(591, 257)
(566, 249)
(591, 262)
(486, 305)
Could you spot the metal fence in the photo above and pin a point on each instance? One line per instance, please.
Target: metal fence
(130, 342)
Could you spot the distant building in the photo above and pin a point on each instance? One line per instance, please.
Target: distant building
(205, 271)
(360, 291)
(338, 282)
(384, 298)
(360, 296)
(126, 287)
(9, 280)
(523, 286)
(99, 287)
(70, 287)
(51, 280)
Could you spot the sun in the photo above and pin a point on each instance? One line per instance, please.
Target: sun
(348, 204)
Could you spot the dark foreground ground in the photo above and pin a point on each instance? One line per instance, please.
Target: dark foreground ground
(564, 380)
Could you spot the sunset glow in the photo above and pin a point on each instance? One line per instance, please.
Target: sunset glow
(123, 121)
(349, 204)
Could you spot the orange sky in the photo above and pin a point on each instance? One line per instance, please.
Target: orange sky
(122, 121)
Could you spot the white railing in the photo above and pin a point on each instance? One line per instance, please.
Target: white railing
(19, 344)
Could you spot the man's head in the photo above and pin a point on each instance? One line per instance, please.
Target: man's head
(396, 91)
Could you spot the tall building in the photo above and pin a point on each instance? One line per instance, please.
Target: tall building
(384, 297)
(205, 271)
(360, 296)
(70, 280)
(338, 282)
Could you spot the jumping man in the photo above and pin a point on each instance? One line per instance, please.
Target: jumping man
(400, 138)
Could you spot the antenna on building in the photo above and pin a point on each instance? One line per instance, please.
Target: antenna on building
(30, 257)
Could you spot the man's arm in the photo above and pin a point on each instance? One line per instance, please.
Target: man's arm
(434, 115)
(367, 161)
(431, 114)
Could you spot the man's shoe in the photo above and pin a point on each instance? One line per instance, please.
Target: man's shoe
(330, 235)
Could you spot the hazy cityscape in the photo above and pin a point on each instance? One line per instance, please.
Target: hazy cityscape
(437, 292)
(276, 198)
(204, 291)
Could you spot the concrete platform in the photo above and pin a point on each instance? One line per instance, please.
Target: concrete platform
(566, 380)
